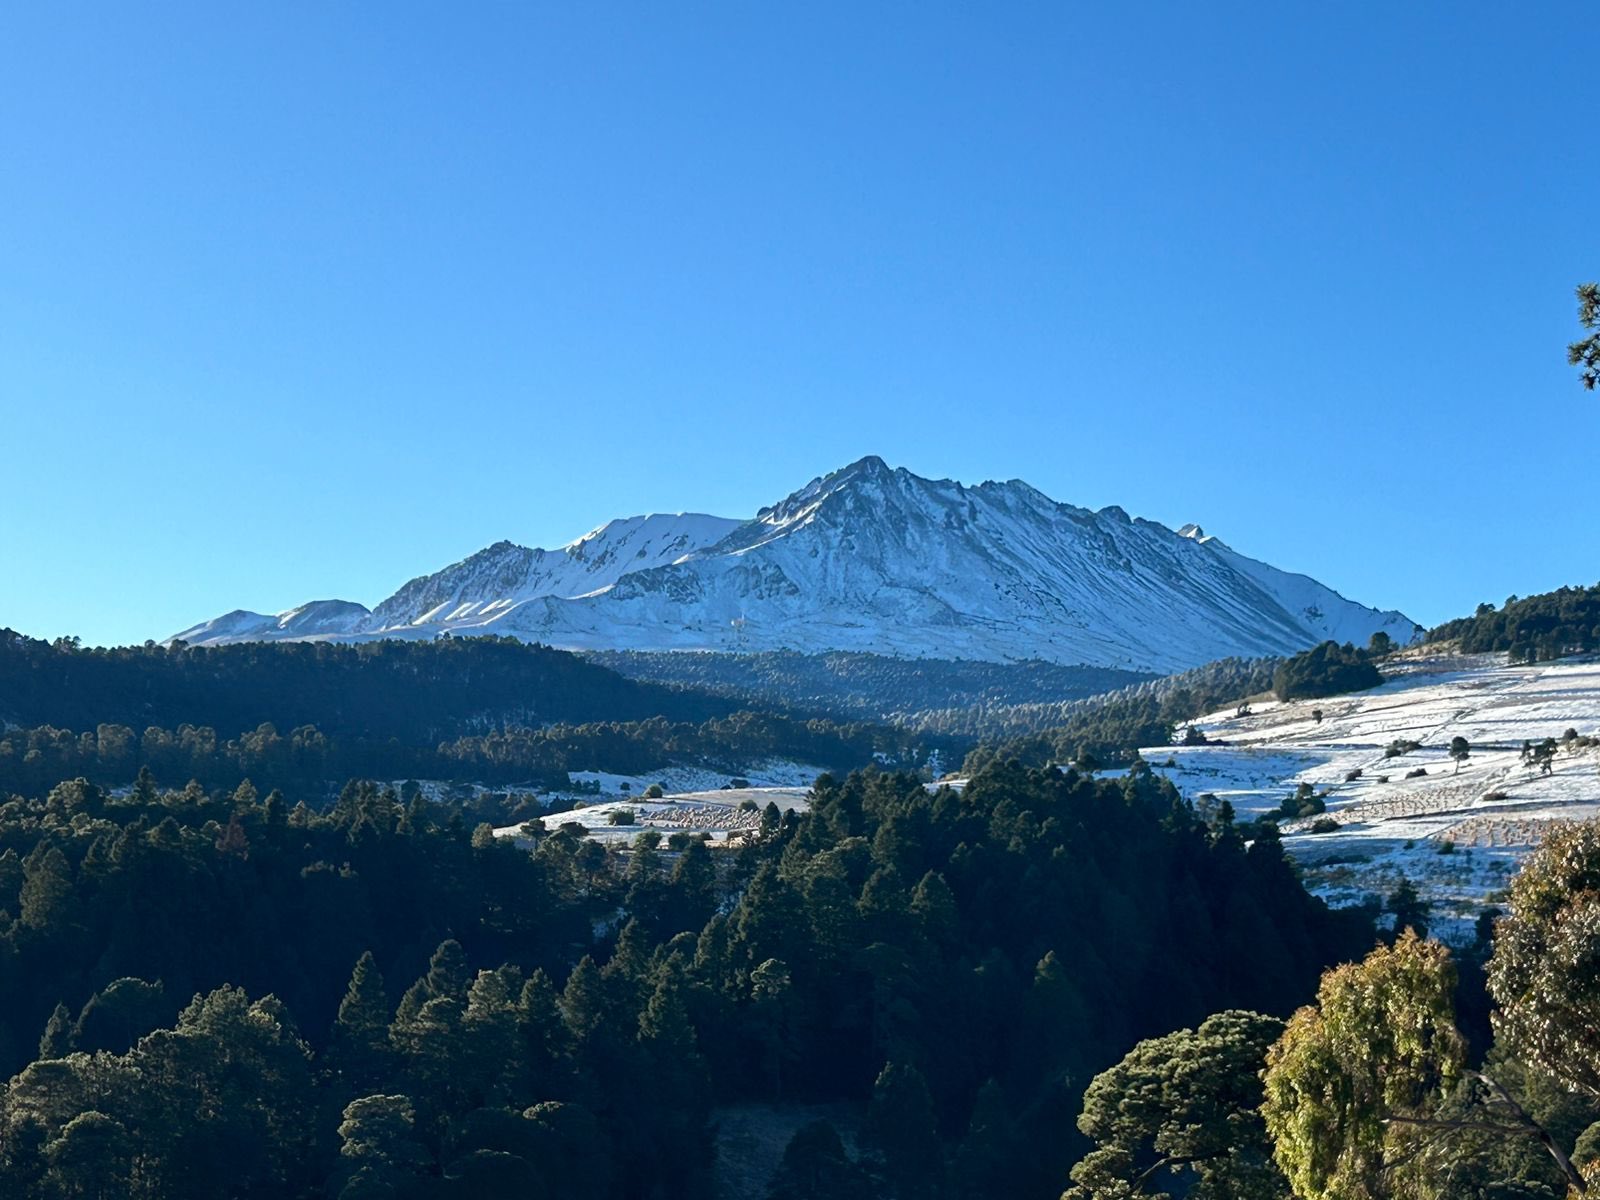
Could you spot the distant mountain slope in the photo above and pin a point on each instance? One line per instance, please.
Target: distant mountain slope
(875, 560)
(850, 684)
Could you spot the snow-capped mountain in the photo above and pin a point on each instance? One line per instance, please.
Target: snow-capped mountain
(873, 559)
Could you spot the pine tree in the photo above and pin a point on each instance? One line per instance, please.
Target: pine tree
(1585, 353)
(361, 1029)
(494, 1051)
(380, 1150)
(56, 1041)
(446, 978)
(545, 1038)
(900, 1129)
(46, 888)
(583, 1001)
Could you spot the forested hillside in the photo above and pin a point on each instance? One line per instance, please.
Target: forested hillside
(310, 716)
(868, 686)
(229, 994)
(1533, 628)
(1106, 730)
(415, 690)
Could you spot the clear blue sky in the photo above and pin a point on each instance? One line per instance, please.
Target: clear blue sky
(301, 300)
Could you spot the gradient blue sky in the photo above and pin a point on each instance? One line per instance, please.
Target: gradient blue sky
(301, 300)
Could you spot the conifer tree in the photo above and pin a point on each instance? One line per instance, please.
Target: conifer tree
(545, 1038)
(361, 1029)
(46, 888)
(583, 1001)
(56, 1041)
(1585, 353)
(494, 1053)
(899, 1128)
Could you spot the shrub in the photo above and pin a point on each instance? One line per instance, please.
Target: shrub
(623, 816)
(1304, 803)
(1324, 825)
(1417, 774)
(1352, 776)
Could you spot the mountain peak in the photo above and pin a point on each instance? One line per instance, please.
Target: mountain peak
(877, 559)
(865, 467)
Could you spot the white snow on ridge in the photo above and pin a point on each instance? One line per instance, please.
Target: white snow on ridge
(873, 559)
(1396, 827)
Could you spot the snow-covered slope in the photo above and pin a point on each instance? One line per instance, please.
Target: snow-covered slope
(874, 559)
(1457, 833)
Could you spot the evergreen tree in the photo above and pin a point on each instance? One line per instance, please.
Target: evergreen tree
(46, 888)
(361, 1029)
(899, 1129)
(1585, 353)
(379, 1149)
(56, 1041)
(815, 1166)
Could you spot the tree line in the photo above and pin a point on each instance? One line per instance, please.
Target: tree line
(310, 761)
(415, 691)
(1531, 628)
(855, 685)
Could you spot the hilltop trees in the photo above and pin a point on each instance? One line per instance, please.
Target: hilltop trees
(1532, 628)
(1326, 670)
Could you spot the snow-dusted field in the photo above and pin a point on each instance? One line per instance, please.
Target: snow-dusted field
(1450, 832)
(776, 773)
(720, 813)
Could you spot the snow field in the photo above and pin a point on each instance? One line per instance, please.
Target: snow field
(1457, 835)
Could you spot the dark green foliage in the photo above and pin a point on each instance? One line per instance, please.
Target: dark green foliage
(850, 685)
(574, 1012)
(1410, 911)
(1585, 353)
(1326, 670)
(1110, 726)
(816, 1167)
(1535, 628)
(412, 690)
(1180, 1112)
(1304, 802)
(476, 710)
(309, 761)
(1109, 729)
(901, 1132)
(120, 1014)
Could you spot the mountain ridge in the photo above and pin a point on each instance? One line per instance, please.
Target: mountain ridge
(870, 558)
